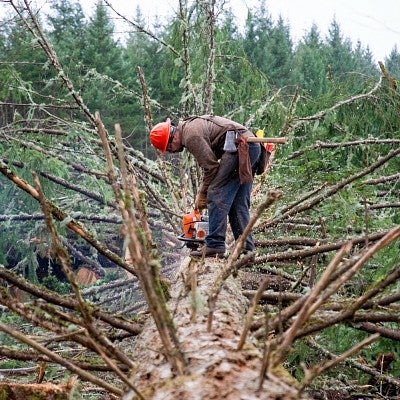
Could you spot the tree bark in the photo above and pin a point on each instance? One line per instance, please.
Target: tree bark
(16, 391)
(215, 368)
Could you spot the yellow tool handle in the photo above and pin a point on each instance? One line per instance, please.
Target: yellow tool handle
(255, 139)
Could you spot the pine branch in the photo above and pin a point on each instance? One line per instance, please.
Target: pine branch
(37, 33)
(322, 114)
(320, 145)
(47, 131)
(60, 360)
(31, 356)
(318, 249)
(373, 328)
(382, 179)
(66, 301)
(383, 205)
(32, 105)
(328, 192)
(61, 216)
(78, 216)
(390, 315)
(76, 166)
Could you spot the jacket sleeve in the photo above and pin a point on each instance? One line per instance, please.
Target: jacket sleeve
(200, 147)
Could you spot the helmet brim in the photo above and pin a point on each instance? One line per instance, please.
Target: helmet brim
(160, 135)
(168, 122)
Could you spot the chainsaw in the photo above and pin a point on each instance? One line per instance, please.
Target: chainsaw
(195, 229)
(195, 226)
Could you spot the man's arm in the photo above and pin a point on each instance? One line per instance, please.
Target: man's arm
(202, 152)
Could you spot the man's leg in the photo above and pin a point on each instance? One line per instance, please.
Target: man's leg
(239, 214)
(220, 197)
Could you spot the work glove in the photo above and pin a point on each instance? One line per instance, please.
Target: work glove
(201, 201)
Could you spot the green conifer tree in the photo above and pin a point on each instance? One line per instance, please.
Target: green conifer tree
(257, 34)
(309, 65)
(67, 25)
(339, 52)
(103, 68)
(392, 63)
(280, 54)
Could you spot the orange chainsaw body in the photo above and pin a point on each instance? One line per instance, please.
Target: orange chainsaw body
(195, 229)
(188, 222)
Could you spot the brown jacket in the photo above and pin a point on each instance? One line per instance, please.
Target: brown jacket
(204, 137)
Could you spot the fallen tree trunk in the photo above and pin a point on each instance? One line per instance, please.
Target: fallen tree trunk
(17, 391)
(215, 368)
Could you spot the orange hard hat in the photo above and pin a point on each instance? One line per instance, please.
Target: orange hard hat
(159, 135)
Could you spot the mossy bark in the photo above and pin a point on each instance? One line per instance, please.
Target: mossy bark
(46, 391)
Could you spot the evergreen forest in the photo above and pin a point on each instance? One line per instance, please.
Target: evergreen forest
(99, 298)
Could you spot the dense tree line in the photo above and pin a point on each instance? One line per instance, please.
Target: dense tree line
(252, 60)
(335, 180)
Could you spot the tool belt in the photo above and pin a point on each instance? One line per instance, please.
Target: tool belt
(235, 142)
(233, 138)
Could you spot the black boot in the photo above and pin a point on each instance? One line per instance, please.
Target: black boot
(208, 252)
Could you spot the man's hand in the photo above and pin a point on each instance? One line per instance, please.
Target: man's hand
(201, 201)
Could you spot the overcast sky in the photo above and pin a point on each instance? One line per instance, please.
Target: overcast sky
(375, 23)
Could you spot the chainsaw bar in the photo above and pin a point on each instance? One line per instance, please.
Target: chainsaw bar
(191, 243)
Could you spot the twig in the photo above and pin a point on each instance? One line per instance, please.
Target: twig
(362, 367)
(146, 99)
(318, 249)
(193, 290)
(330, 191)
(313, 372)
(18, 371)
(320, 145)
(61, 216)
(271, 198)
(322, 114)
(312, 303)
(59, 360)
(250, 313)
